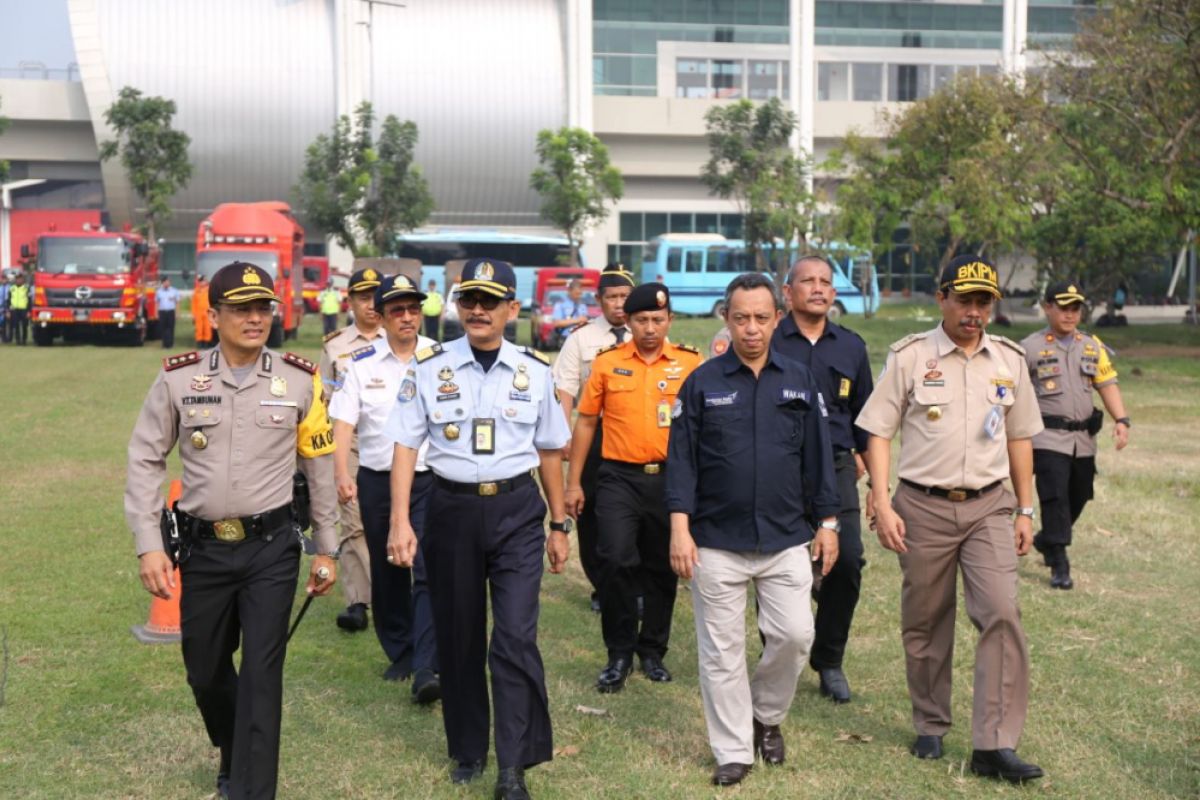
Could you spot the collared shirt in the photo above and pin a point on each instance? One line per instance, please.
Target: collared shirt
(636, 399)
(749, 456)
(838, 361)
(1064, 372)
(366, 397)
(955, 414)
(569, 309)
(167, 297)
(335, 354)
(449, 399)
(240, 444)
(574, 362)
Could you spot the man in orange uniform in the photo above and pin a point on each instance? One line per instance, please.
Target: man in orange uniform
(200, 314)
(634, 385)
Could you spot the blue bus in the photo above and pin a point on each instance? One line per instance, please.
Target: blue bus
(527, 252)
(697, 267)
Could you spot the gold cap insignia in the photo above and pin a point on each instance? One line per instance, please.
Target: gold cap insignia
(485, 271)
(370, 274)
(661, 298)
(250, 277)
(1072, 289)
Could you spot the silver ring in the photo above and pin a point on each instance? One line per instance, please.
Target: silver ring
(391, 560)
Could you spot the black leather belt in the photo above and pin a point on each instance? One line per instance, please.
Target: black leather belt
(1064, 424)
(653, 468)
(487, 489)
(234, 529)
(956, 495)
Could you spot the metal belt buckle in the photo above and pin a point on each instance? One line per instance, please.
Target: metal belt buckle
(229, 530)
(956, 495)
(651, 469)
(489, 489)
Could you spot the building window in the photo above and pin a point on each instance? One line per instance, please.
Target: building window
(763, 80)
(727, 78)
(908, 82)
(868, 82)
(833, 81)
(691, 77)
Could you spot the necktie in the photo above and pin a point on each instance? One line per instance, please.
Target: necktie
(619, 333)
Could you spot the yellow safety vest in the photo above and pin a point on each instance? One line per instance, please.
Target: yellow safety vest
(432, 305)
(18, 297)
(331, 301)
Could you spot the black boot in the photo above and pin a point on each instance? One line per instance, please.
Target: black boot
(1060, 570)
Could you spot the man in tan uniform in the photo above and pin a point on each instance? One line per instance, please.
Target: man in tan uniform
(244, 418)
(1066, 365)
(335, 362)
(965, 407)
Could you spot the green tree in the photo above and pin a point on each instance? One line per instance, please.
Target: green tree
(364, 193)
(577, 182)
(751, 161)
(154, 155)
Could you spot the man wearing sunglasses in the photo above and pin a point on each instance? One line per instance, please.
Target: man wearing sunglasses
(399, 596)
(489, 413)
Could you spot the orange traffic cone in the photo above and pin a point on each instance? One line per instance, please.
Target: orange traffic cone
(162, 627)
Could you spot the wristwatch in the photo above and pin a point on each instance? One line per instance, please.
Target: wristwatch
(831, 525)
(1126, 421)
(1026, 511)
(335, 553)
(566, 526)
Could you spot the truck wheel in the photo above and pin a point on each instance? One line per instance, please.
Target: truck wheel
(43, 337)
(835, 312)
(135, 336)
(275, 337)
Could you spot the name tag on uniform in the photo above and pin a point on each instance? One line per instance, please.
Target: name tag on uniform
(483, 436)
(278, 403)
(844, 389)
(620, 371)
(793, 394)
(718, 399)
(524, 397)
(664, 414)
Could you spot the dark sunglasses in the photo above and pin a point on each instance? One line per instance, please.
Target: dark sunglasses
(489, 302)
(405, 310)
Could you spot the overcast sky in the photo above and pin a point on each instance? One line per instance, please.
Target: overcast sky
(35, 30)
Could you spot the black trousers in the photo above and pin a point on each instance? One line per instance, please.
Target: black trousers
(586, 526)
(400, 606)
(18, 325)
(1064, 487)
(476, 544)
(838, 596)
(432, 323)
(166, 326)
(634, 551)
(240, 591)
(329, 323)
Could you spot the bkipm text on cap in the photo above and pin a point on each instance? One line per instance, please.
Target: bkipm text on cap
(970, 273)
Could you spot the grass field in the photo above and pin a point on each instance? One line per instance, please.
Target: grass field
(87, 712)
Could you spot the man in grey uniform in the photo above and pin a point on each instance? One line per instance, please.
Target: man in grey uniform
(244, 417)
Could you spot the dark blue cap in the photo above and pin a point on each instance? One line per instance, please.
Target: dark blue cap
(394, 286)
(490, 276)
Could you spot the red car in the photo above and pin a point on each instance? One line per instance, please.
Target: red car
(552, 289)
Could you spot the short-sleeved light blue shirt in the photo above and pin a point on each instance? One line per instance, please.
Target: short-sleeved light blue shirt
(450, 388)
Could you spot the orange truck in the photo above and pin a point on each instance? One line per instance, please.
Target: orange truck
(268, 236)
(93, 282)
(316, 277)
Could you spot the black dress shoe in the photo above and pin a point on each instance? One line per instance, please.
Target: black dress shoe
(400, 670)
(1060, 570)
(1005, 764)
(467, 771)
(427, 689)
(654, 670)
(729, 774)
(354, 618)
(768, 743)
(223, 776)
(927, 746)
(612, 677)
(834, 685)
(510, 785)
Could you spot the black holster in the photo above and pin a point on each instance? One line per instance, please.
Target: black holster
(1095, 422)
(169, 529)
(301, 501)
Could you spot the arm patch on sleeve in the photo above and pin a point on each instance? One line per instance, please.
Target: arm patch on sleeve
(314, 436)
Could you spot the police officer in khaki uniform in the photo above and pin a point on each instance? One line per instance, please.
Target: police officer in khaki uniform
(571, 371)
(244, 418)
(1066, 365)
(965, 408)
(335, 361)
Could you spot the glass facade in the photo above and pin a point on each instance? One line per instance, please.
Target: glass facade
(626, 34)
(637, 228)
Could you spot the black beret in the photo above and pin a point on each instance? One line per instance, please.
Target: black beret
(648, 297)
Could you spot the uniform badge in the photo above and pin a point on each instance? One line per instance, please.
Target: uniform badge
(663, 413)
(408, 390)
(931, 364)
(201, 382)
(1049, 337)
(448, 388)
(660, 297)
(662, 386)
(521, 379)
(844, 388)
(934, 413)
(485, 271)
(1051, 386)
(192, 412)
(278, 386)
(445, 374)
(199, 440)
(677, 409)
(510, 412)
(451, 431)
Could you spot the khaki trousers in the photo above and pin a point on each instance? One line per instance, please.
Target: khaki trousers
(975, 536)
(732, 701)
(354, 567)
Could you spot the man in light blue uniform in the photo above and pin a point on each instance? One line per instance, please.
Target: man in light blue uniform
(490, 414)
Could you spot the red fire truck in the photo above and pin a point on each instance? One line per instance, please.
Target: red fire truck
(268, 236)
(316, 277)
(93, 281)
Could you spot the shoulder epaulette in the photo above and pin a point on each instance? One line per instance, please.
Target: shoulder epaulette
(689, 348)
(1006, 341)
(426, 353)
(896, 347)
(577, 327)
(537, 355)
(181, 360)
(606, 349)
(332, 335)
(300, 362)
(362, 352)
